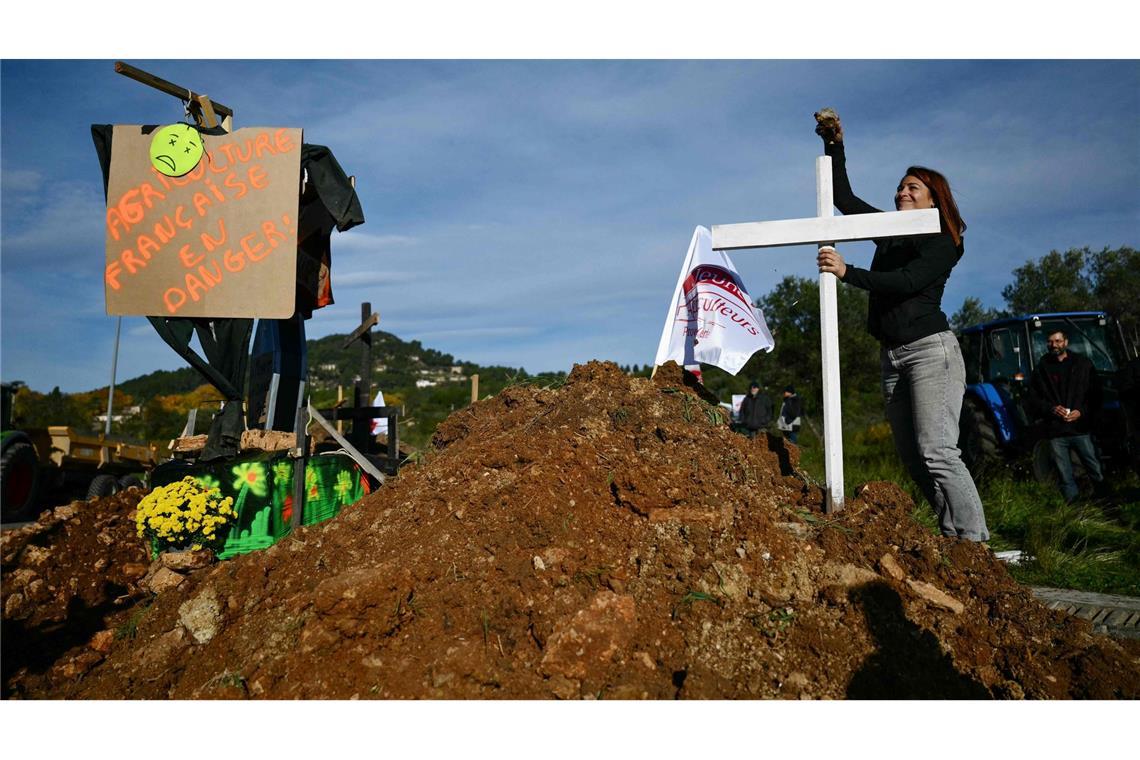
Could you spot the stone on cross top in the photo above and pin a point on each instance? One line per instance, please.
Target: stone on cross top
(824, 230)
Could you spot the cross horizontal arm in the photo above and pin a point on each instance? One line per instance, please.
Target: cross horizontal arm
(366, 325)
(824, 229)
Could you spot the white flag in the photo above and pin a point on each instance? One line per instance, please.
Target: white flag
(711, 318)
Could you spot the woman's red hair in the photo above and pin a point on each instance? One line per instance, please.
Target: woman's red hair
(939, 188)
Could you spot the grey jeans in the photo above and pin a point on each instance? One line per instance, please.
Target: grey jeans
(923, 384)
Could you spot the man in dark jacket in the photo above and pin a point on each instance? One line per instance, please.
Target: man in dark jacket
(755, 411)
(1065, 393)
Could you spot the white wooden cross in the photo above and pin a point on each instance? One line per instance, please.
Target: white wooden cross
(826, 229)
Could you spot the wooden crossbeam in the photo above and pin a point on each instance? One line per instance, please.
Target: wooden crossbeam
(361, 417)
(351, 450)
(169, 88)
(369, 322)
(832, 229)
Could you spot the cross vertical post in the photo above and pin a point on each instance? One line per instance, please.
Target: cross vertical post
(829, 353)
(362, 391)
(366, 350)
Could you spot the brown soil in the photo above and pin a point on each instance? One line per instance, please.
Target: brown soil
(611, 538)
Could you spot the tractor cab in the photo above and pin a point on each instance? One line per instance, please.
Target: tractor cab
(1000, 357)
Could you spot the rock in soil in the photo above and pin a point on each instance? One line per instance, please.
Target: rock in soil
(611, 538)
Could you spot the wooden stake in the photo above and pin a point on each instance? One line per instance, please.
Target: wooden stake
(169, 88)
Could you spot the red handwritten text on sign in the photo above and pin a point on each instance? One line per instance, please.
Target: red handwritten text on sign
(217, 242)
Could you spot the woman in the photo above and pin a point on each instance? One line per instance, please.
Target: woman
(923, 373)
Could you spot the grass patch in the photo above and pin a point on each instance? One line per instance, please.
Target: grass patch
(773, 624)
(1090, 545)
(690, 598)
(227, 680)
(130, 629)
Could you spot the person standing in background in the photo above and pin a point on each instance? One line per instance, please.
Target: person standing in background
(788, 419)
(1065, 392)
(755, 411)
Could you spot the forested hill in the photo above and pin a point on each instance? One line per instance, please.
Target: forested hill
(426, 384)
(396, 363)
(160, 383)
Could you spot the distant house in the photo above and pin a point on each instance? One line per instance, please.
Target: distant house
(329, 367)
(125, 414)
(456, 370)
(425, 383)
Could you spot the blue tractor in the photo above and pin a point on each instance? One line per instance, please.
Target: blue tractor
(1000, 357)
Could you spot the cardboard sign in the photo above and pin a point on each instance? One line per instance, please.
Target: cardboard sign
(220, 241)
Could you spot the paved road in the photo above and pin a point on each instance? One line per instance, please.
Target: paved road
(14, 525)
(1109, 613)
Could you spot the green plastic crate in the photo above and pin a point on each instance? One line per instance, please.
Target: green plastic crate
(261, 485)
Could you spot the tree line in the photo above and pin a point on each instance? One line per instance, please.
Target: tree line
(1076, 280)
(1079, 279)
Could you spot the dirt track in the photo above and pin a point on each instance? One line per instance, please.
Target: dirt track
(611, 538)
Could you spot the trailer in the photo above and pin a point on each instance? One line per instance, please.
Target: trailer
(36, 462)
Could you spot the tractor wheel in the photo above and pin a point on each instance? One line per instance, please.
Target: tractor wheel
(130, 481)
(19, 480)
(102, 485)
(978, 440)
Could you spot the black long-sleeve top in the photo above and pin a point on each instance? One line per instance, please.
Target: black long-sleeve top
(907, 275)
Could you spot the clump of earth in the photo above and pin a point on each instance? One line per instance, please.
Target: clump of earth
(609, 538)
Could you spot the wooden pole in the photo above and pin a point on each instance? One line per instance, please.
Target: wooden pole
(114, 366)
(339, 401)
(206, 106)
(366, 348)
(829, 351)
(300, 462)
(474, 388)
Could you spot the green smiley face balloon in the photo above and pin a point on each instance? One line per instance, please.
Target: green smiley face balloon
(176, 149)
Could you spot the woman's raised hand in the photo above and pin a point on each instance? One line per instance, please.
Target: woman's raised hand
(828, 125)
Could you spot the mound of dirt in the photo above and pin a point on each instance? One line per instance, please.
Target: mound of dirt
(611, 538)
(64, 575)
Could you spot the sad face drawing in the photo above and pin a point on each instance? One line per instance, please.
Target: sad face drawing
(176, 149)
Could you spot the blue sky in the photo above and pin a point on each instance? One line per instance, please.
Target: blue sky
(536, 213)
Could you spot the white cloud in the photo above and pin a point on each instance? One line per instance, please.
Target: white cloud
(63, 229)
(365, 279)
(19, 183)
